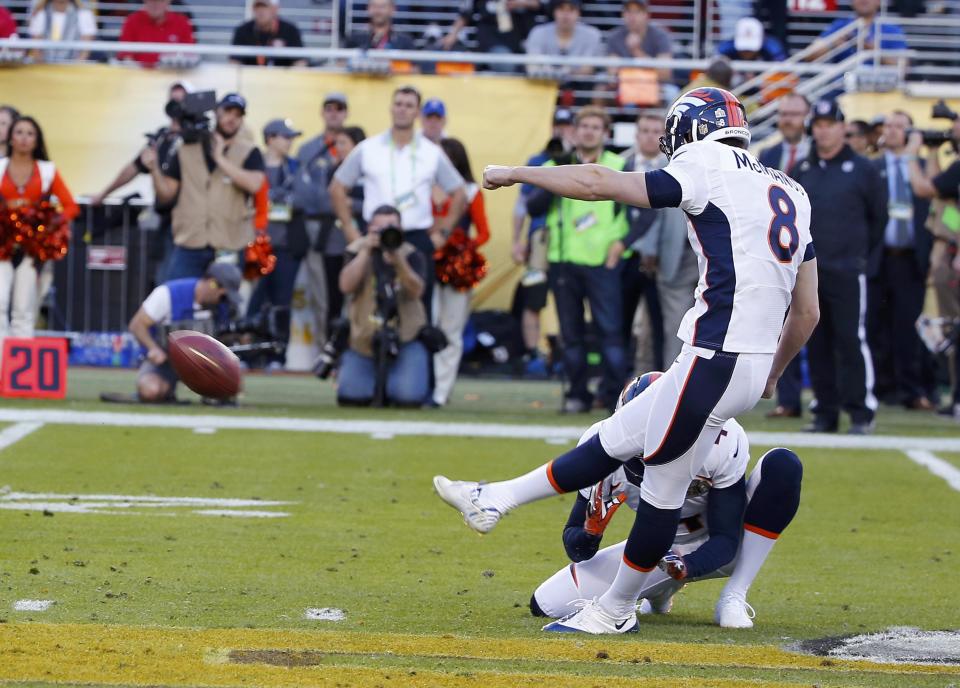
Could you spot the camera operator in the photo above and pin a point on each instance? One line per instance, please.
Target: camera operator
(383, 280)
(191, 298)
(213, 178)
(943, 187)
(163, 143)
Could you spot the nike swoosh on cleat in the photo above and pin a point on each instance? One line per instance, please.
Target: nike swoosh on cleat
(621, 624)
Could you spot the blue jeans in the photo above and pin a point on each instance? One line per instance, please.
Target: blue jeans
(189, 262)
(571, 285)
(408, 376)
(277, 287)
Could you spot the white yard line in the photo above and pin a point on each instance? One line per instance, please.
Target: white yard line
(937, 466)
(552, 433)
(17, 432)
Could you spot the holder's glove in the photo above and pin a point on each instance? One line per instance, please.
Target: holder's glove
(673, 565)
(601, 509)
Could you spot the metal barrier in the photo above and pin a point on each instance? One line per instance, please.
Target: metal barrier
(107, 273)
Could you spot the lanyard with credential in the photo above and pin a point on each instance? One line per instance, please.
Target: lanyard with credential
(413, 174)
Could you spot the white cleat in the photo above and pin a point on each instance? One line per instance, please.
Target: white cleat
(662, 604)
(732, 611)
(466, 497)
(593, 619)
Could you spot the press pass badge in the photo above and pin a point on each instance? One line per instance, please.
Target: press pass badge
(585, 222)
(900, 211)
(406, 201)
(280, 212)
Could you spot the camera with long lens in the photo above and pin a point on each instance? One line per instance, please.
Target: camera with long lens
(262, 333)
(332, 349)
(934, 138)
(193, 115)
(391, 238)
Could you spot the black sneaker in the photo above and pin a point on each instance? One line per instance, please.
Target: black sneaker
(861, 428)
(820, 426)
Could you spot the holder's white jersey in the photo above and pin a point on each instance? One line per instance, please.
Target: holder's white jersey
(726, 464)
(750, 228)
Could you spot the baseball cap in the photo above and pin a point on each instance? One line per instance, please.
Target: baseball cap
(227, 276)
(434, 106)
(563, 116)
(234, 100)
(335, 97)
(748, 35)
(560, 3)
(280, 127)
(826, 108)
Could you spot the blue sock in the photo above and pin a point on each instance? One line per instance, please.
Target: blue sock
(582, 466)
(775, 501)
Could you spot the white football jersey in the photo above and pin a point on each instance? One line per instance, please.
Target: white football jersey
(725, 465)
(750, 228)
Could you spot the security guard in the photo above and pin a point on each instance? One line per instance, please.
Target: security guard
(849, 213)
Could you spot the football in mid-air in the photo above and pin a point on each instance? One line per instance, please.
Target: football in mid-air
(204, 364)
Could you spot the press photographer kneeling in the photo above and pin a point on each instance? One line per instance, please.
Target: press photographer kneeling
(383, 280)
(193, 302)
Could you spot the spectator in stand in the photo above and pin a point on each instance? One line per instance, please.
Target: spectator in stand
(316, 159)
(639, 37)
(942, 187)
(898, 275)
(380, 35)
(155, 23)
(858, 137)
(794, 146)
(565, 36)
(267, 29)
(750, 44)
(501, 26)
(587, 241)
(62, 20)
(27, 176)
(719, 74)
(8, 114)
(451, 307)
(891, 35)
(399, 168)
(347, 139)
(286, 230)
(433, 119)
(210, 217)
(848, 203)
(8, 25)
(531, 295)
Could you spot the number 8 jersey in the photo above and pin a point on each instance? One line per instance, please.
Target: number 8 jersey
(750, 228)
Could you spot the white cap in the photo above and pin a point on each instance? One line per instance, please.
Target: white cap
(748, 36)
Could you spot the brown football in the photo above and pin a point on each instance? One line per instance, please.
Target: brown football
(205, 365)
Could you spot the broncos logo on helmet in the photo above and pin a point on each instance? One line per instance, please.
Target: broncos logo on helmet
(704, 114)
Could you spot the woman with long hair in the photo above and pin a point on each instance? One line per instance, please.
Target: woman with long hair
(27, 177)
(62, 20)
(451, 306)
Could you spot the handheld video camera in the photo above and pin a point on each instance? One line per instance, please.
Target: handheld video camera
(192, 113)
(934, 138)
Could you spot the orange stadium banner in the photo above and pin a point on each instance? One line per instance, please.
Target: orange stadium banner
(94, 119)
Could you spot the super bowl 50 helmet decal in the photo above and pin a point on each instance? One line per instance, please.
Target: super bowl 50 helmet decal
(704, 114)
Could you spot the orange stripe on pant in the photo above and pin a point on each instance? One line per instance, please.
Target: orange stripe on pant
(761, 531)
(641, 569)
(553, 482)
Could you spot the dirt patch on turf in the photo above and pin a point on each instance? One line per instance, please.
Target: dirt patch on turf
(900, 645)
(283, 658)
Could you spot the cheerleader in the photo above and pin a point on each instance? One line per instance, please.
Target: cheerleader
(26, 178)
(451, 305)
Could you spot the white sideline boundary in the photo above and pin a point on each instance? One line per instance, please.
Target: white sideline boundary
(937, 466)
(551, 433)
(17, 432)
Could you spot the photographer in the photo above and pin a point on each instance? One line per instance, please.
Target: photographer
(383, 280)
(163, 143)
(213, 178)
(943, 187)
(191, 298)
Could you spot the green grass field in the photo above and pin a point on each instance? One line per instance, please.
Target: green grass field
(154, 593)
